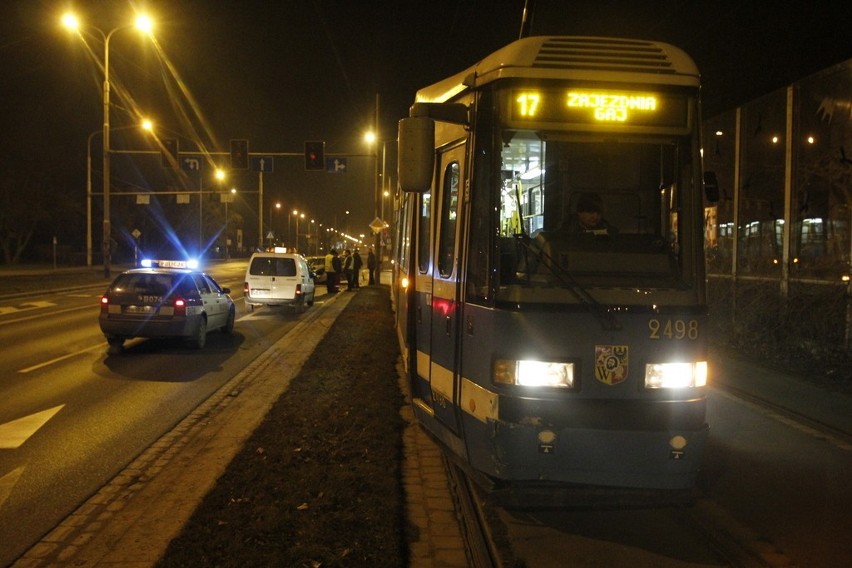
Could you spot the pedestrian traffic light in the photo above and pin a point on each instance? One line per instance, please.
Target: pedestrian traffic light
(239, 155)
(169, 152)
(314, 155)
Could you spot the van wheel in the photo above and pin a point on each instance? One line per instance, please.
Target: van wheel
(311, 301)
(200, 338)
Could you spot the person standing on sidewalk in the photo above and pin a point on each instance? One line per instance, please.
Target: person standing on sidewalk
(330, 271)
(347, 269)
(371, 265)
(357, 263)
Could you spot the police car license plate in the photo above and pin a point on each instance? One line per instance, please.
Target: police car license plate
(139, 309)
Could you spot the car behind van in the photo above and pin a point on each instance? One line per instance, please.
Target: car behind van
(278, 279)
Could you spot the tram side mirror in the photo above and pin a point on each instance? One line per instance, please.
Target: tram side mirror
(416, 157)
(711, 187)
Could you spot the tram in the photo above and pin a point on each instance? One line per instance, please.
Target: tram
(541, 352)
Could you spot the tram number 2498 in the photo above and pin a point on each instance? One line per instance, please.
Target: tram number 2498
(673, 329)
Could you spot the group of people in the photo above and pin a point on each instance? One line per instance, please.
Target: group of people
(347, 265)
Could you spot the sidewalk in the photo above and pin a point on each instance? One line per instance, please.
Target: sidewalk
(785, 390)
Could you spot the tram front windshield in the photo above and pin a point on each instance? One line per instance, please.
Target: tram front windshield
(590, 210)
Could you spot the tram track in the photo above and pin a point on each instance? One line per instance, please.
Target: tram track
(702, 522)
(477, 531)
(573, 536)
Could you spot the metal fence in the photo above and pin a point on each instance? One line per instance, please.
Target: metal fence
(779, 241)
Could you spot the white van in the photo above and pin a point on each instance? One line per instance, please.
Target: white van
(278, 279)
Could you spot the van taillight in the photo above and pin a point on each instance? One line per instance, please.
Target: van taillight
(298, 289)
(245, 288)
(104, 304)
(180, 307)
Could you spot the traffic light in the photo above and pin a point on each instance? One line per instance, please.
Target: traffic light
(169, 152)
(239, 155)
(314, 155)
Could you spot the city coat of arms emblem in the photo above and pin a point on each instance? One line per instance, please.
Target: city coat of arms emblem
(611, 363)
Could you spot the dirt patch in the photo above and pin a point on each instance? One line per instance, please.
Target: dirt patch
(319, 482)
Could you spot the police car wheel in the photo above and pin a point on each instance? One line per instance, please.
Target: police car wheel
(116, 345)
(200, 335)
(229, 325)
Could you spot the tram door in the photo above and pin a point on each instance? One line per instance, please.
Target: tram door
(443, 375)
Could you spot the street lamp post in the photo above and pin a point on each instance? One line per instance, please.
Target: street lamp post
(373, 138)
(302, 215)
(272, 224)
(227, 197)
(143, 23)
(146, 124)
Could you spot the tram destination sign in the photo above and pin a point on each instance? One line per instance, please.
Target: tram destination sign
(600, 107)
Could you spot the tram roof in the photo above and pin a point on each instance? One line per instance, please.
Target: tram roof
(574, 57)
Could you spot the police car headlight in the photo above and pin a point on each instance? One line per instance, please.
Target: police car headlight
(675, 375)
(534, 373)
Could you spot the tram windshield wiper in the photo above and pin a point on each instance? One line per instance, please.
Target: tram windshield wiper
(602, 313)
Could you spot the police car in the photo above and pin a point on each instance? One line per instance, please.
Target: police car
(165, 299)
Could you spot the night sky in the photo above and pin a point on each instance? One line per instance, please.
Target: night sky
(279, 73)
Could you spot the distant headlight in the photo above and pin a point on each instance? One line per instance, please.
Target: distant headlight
(675, 375)
(533, 373)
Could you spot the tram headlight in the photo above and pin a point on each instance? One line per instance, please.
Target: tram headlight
(533, 373)
(675, 375)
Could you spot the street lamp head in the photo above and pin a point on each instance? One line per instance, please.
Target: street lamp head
(370, 137)
(144, 23)
(220, 174)
(70, 21)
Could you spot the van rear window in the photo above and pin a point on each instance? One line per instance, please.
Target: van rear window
(268, 266)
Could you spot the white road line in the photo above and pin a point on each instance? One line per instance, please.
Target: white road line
(58, 359)
(13, 434)
(94, 308)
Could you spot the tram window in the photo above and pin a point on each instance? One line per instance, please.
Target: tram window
(449, 207)
(403, 240)
(424, 233)
(636, 180)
